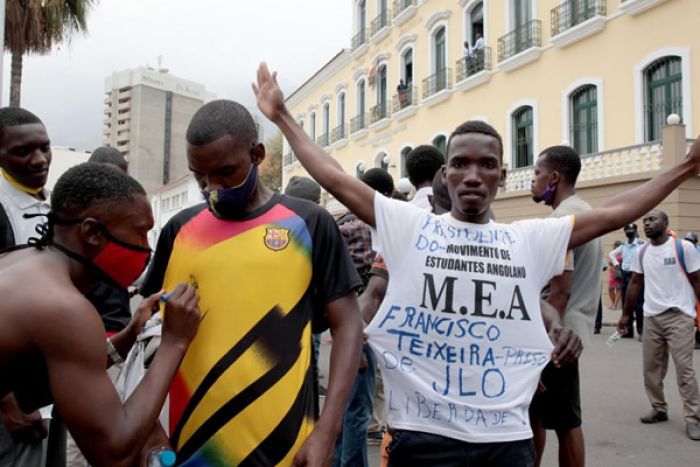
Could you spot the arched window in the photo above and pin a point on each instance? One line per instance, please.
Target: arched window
(475, 23)
(404, 154)
(439, 50)
(326, 118)
(583, 133)
(379, 161)
(440, 142)
(663, 85)
(523, 136)
(339, 131)
(382, 92)
(361, 98)
(312, 126)
(407, 66)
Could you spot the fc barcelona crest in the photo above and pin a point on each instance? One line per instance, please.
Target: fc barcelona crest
(276, 239)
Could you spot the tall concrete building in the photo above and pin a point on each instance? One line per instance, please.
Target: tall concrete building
(146, 116)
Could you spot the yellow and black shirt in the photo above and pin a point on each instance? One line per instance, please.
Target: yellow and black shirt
(245, 393)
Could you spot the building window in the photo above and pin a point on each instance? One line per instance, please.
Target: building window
(523, 137)
(475, 23)
(584, 118)
(439, 50)
(663, 81)
(341, 109)
(402, 168)
(382, 90)
(312, 126)
(407, 67)
(326, 118)
(361, 98)
(440, 142)
(361, 16)
(521, 13)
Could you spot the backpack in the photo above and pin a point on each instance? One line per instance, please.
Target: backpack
(7, 235)
(680, 260)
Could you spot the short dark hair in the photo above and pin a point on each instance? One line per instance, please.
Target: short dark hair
(109, 155)
(304, 188)
(630, 226)
(380, 180)
(88, 183)
(563, 159)
(477, 126)
(440, 195)
(219, 118)
(15, 116)
(422, 162)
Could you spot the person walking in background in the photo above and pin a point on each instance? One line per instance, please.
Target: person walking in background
(628, 250)
(670, 270)
(615, 280)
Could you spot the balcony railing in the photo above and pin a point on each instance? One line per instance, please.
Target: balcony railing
(404, 99)
(288, 159)
(379, 23)
(323, 140)
(359, 123)
(379, 112)
(437, 82)
(574, 12)
(401, 5)
(339, 132)
(478, 61)
(614, 163)
(526, 36)
(359, 39)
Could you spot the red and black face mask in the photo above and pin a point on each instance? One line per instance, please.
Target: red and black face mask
(119, 261)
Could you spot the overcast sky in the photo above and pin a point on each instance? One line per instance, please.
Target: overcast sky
(214, 42)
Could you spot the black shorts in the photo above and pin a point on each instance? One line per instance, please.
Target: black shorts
(559, 406)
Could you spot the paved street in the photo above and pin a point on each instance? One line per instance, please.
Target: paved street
(613, 398)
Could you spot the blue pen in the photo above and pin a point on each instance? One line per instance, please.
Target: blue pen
(164, 298)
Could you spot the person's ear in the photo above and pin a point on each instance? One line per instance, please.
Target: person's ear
(502, 178)
(92, 233)
(554, 178)
(258, 153)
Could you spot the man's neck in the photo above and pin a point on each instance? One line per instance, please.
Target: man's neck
(260, 196)
(482, 218)
(424, 185)
(660, 240)
(631, 240)
(563, 193)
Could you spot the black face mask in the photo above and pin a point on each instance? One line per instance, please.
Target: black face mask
(631, 234)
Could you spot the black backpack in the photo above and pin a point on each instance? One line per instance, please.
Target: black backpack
(7, 235)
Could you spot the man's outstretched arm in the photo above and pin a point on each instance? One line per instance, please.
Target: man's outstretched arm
(352, 193)
(633, 204)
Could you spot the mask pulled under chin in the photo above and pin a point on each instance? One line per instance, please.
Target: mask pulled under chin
(549, 194)
(230, 203)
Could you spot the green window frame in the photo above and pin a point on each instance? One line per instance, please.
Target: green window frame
(663, 81)
(440, 142)
(584, 119)
(523, 137)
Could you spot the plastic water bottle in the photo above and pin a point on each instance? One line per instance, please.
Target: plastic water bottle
(162, 457)
(612, 340)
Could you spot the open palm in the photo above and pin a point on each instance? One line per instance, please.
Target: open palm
(268, 93)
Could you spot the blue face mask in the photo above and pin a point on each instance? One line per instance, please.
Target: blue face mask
(229, 203)
(548, 195)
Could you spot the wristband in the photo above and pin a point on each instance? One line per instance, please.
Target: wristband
(113, 354)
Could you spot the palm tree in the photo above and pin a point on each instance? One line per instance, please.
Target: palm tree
(34, 26)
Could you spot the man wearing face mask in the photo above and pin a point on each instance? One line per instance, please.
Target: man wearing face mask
(265, 264)
(52, 345)
(575, 294)
(628, 250)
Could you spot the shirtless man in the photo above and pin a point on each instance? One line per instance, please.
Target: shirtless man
(52, 337)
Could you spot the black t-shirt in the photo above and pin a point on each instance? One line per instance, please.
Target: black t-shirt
(244, 392)
(112, 303)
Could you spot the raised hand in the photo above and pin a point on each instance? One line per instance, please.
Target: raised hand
(268, 93)
(694, 153)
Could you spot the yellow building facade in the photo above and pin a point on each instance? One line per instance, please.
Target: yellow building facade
(600, 75)
(597, 74)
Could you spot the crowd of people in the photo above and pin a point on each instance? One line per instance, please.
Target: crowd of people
(468, 328)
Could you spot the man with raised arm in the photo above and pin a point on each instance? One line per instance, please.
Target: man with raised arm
(459, 337)
(52, 344)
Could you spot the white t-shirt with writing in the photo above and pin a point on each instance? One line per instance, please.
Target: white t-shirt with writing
(459, 337)
(665, 284)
